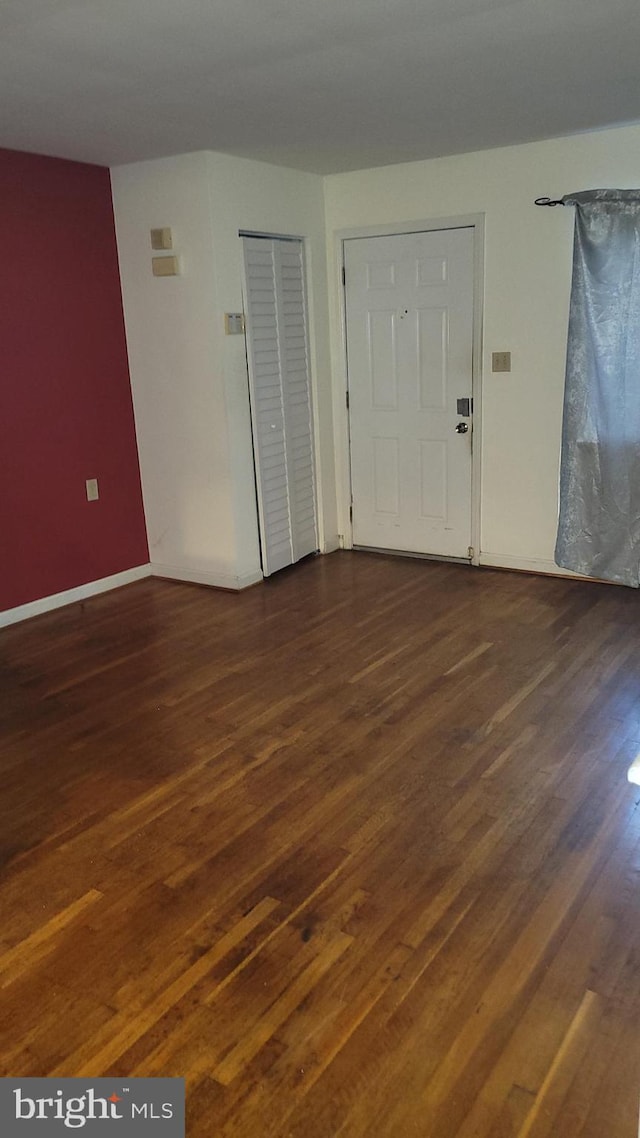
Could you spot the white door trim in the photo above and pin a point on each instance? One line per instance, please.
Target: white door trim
(473, 221)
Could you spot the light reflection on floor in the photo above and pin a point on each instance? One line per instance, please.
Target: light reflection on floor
(633, 774)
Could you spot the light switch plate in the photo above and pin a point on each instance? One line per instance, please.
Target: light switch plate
(92, 489)
(501, 361)
(233, 323)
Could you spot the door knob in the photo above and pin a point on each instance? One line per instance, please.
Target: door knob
(462, 428)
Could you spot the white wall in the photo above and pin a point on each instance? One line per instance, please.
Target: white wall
(189, 380)
(526, 299)
(177, 383)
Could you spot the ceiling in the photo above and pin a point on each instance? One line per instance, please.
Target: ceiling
(322, 85)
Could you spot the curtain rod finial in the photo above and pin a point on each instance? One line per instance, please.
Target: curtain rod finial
(548, 201)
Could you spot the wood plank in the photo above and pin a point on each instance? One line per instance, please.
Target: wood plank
(353, 851)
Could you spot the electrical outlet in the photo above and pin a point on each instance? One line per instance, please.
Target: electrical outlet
(92, 490)
(501, 361)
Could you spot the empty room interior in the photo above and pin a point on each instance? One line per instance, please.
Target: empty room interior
(319, 628)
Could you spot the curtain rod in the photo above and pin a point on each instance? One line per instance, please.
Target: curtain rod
(548, 201)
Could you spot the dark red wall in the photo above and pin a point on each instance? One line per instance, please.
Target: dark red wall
(65, 400)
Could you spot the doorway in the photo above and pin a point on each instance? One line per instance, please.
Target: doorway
(409, 314)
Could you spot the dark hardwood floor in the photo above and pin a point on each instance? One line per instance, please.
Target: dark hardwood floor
(353, 851)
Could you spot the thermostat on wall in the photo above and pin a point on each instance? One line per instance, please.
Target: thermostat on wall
(165, 266)
(161, 238)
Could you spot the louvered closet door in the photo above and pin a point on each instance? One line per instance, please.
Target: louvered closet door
(280, 400)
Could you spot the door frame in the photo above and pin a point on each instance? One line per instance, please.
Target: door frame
(473, 221)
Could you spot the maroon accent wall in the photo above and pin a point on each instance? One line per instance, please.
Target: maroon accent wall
(65, 400)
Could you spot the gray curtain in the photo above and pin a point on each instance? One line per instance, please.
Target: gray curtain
(599, 526)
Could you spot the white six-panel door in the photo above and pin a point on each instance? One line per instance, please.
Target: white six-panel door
(409, 319)
(279, 381)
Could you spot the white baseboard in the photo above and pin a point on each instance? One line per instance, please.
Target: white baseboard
(233, 583)
(526, 565)
(71, 596)
(205, 577)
